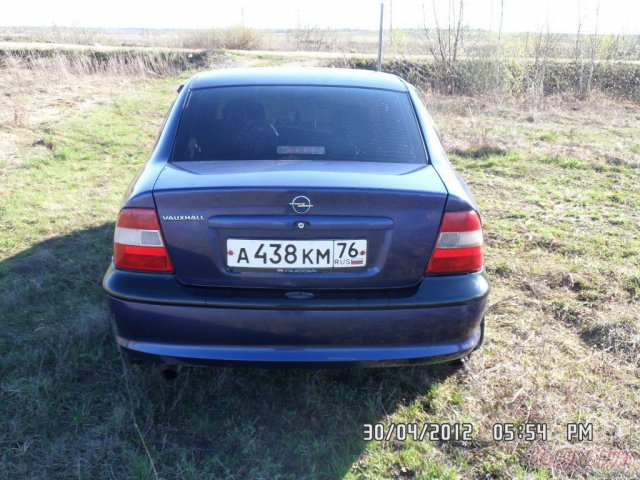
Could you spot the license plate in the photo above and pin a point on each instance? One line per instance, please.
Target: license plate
(285, 254)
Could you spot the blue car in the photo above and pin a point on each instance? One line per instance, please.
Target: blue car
(302, 217)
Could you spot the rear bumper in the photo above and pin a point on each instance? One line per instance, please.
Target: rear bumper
(157, 318)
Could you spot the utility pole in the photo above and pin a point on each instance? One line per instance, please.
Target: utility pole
(391, 22)
(379, 66)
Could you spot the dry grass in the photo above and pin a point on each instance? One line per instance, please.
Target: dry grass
(514, 79)
(601, 131)
(561, 217)
(39, 86)
(558, 188)
(233, 38)
(24, 73)
(477, 43)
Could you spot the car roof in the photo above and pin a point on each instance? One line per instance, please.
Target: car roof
(343, 77)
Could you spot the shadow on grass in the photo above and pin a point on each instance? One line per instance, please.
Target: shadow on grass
(482, 150)
(72, 407)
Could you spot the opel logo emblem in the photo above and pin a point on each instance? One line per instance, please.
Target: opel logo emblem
(301, 204)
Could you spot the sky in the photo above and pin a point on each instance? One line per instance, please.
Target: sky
(615, 16)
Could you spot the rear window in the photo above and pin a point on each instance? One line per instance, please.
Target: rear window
(298, 123)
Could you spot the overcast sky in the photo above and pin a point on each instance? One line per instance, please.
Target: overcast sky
(616, 16)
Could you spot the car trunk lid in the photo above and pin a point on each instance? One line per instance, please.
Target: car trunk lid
(395, 208)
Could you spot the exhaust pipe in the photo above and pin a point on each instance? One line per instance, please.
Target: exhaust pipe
(170, 372)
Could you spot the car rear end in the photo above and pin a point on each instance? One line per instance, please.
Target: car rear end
(297, 224)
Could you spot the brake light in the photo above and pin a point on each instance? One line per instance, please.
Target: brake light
(459, 245)
(138, 244)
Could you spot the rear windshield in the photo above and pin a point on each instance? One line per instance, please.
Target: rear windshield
(298, 123)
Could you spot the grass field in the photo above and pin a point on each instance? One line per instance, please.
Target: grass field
(561, 205)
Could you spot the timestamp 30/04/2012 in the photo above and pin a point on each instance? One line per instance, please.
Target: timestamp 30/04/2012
(446, 432)
(434, 432)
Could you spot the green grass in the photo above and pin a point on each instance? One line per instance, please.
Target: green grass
(562, 252)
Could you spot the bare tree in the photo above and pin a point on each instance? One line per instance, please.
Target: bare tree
(584, 84)
(579, 52)
(498, 62)
(593, 49)
(577, 49)
(445, 43)
(543, 47)
(500, 28)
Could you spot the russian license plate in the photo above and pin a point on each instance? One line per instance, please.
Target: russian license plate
(285, 254)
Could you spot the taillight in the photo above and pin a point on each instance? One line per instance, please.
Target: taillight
(138, 244)
(459, 245)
